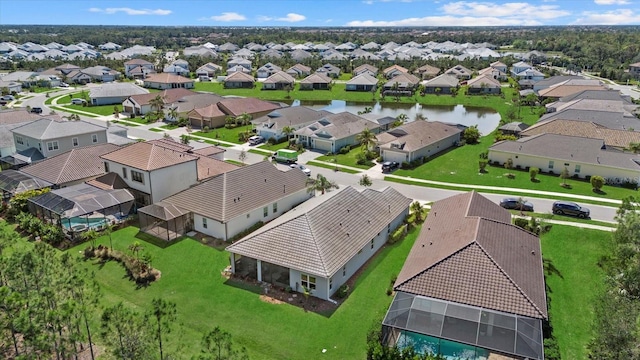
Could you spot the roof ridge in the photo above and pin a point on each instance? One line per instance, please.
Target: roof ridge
(315, 244)
(64, 166)
(507, 276)
(224, 196)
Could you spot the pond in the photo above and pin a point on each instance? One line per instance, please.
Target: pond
(486, 119)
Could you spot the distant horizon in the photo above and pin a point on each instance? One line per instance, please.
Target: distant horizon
(321, 13)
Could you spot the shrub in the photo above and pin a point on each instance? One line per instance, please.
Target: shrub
(397, 235)
(471, 135)
(630, 185)
(361, 159)
(533, 172)
(345, 150)
(343, 291)
(406, 165)
(205, 129)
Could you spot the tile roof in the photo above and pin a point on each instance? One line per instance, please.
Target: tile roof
(116, 90)
(108, 181)
(148, 156)
(403, 80)
(73, 165)
(168, 96)
(239, 76)
(394, 68)
(468, 252)
(209, 111)
(290, 116)
(562, 90)
(238, 106)
(570, 149)
(322, 234)
(167, 78)
(209, 150)
(316, 78)
(171, 144)
(612, 120)
(444, 80)
(17, 116)
(338, 126)
(611, 137)
(363, 79)
(484, 80)
(416, 135)
(239, 191)
(45, 129)
(365, 67)
(280, 77)
(427, 69)
(619, 105)
(210, 167)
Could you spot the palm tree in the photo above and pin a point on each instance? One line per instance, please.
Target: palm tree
(320, 183)
(90, 235)
(244, 118)
(288, 130)
(173, 114)
(416, 208)
(157, 103)
(366, 138)
(229, 121)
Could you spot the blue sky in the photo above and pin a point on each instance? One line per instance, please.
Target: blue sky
(321, 13)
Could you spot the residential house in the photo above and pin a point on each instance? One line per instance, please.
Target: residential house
(272, 124)
(393, 71)
(520, 67)
(319, 245)
(109, 46)
(608, 119)
(362, 82)
(514, 128)
(233, 201)
(384, 121)
(441, 84)
(634, 70)
(267, 70)
(10, 119)
(114, 93)
(570, 87)
(403, 84)
(252, 106)
(300, 55)
(168, 81)
(235, 62)
(472, 284)
(426, 72)
(77, 77)
(210, 116)
(335, 131)
(185, 104)
(299, 70)
(12, 87)
(209, 70)
(484, 84)
(154, 170)
(417, 140)
(101, 73)
(141, 104)
(460, 72)
(582, 157)
(67, 68)
(554, 80)
(316, 81)
(329, 70)
(71, 167)
(177, 67)
(500, 66)
(495, 73)
(228, 47)
(200, 51)
(529, 74)
(239, 79)
(358, 54)
(613, 138)
(365, 69)
(138, 68)
(279, 81)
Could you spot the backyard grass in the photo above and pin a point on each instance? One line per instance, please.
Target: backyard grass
(332, 167)
(103, 110)
(337, 92)
(574, 285)
(191, 277)
(224, 134)
(348, 159)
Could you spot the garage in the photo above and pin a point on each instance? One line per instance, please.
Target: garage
(394, 156)
(323, 145)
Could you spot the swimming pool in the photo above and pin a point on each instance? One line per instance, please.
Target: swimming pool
(78, 223)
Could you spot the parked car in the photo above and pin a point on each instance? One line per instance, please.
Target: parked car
(516, 204)
(3, 102)
(389, 166)
(570, 208)
(64, 85)
(255, 140)
(36, 110)
(304, 169)
(8, 98)
(77, 101)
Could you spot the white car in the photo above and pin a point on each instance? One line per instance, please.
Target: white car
(64, 85)
(78, 101)
(303, 168)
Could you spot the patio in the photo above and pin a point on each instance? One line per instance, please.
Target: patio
(165, 221)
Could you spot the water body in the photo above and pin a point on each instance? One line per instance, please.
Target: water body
(486, 119)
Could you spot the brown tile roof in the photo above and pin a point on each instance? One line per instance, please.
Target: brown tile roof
(484, 80)
(74, 165)
(238, 106)
(168, 96)
(316, 78)
(108, 181)
(394, 67)
(171, 144)
(239, 191)
(137, 62)
(239, 76)
(566, 90)
(17, 116)
(167, 78)
(210, 111)
(611, 137)
(210, 167)
(468, 252)
(403, 80)
(416, 135)
(322, 234)
(280, 77)
(148, 156)
(364, 67)
(209, 151)
(427, 69)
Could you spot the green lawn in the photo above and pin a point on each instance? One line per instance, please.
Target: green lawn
(329, 166)
(156, 130)
(98, 110)
(191, 277)
(66, 109)
(337, 92)
(274, 147)
(578, 280)
(224, 134)
(66, 99)
(348, 159)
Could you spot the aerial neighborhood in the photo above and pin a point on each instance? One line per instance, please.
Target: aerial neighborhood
(299, 175)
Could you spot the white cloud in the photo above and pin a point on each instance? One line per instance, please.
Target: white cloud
(228, 16)
(616, 17)
(449, 21)
(515, 10)
(611, 2)
(130, 11)
(292, 17)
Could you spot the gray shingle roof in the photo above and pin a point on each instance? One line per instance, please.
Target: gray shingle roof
(321, 235)
(444, 80)
(468, 252)
(612, 120)
(45, 129)
(239, 191)
(363, 79)
(116, 90)
(338, 126)
(417, 135)
(290, 116)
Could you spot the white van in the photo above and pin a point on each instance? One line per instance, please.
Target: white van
(255, 140)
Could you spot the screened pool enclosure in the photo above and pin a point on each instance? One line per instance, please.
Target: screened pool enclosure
(459, 331)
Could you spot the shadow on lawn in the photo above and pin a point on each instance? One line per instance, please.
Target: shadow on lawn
(152, 240)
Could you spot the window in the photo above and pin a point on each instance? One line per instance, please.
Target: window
(106, 166)
(577, 170)
(137, 176)
(74, 141)
(344, 270)
(388, 228)
(124, 173)
(204, 222)
(275, 207)
(52, 145)
(308, 282)
(19, 140)
(265, 211)
(94, 138)
(330, 283)
(550, 164)
(372, 242)
(248, 216)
